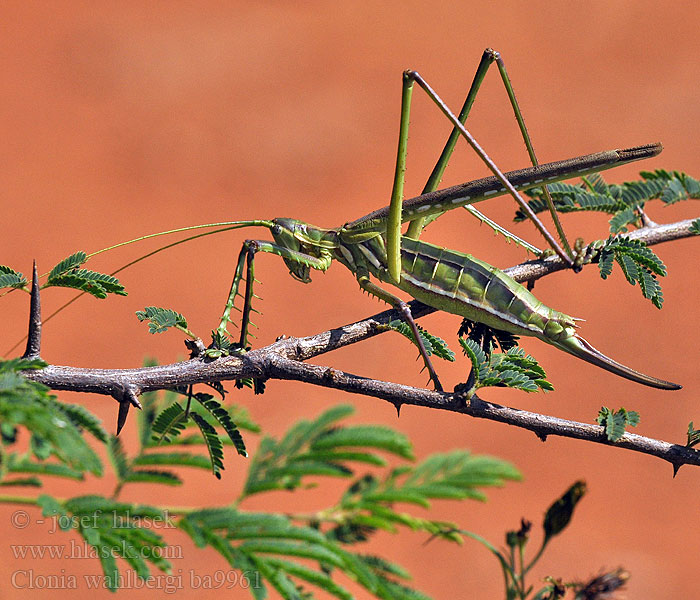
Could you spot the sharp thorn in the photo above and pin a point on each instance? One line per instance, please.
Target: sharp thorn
(123, 412)
(34, 335)
(676, 468)
(397, 406)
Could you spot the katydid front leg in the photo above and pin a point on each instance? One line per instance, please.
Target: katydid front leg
(246, 256)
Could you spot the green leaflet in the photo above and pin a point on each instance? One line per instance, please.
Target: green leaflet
(369, 502)
(637, 262)
(512, 369)
(161, 319)
(67, 264)
(112, 529)
(152, 476)
(16, 464)
(615, 422)
(623, 202)
(163, 421)
(169, 423)
(268, 547)
(383, 566)
(627, 216)
(267, 542)
(303, 549)
(575, 198)
(372, 436)
(172, 459)
(11, 278)
(319, 447)
(68, 274)
(82, 418)
(224, 419)
(317, 578)
(126, 473)
(55, 430)
(432, 343)
(393, 590)
(211, 438)
(693, 436)
(118, 457)
(22, 481)
(679, 185)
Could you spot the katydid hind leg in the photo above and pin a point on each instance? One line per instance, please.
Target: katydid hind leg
(530, 148)
(507, 186)
(416, 226)
(487, 59)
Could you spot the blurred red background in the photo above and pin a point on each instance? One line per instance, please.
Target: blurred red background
(121, 119)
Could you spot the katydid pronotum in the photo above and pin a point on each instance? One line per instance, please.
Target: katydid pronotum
(448, 280)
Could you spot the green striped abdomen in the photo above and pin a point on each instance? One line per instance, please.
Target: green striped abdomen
(463, 285)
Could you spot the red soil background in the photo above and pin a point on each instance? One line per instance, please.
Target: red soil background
(120, 120)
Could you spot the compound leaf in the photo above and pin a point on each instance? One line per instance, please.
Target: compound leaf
(161, 319)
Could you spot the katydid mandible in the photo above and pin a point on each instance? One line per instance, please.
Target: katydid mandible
(374, 247)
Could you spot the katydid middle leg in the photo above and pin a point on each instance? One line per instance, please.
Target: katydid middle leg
(405, 311)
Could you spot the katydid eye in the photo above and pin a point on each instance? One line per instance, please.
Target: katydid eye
(276, 230)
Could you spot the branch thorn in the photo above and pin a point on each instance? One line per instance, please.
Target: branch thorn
(126, 398)
(34, 336)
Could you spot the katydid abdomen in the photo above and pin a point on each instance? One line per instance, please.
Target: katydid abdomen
(466, 286)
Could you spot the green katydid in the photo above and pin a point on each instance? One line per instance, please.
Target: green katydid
(373, 246)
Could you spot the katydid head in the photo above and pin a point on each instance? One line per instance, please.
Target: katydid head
(283, 231)
(305, 239)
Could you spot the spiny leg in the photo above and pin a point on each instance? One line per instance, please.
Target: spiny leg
(393, 225)
(368, 286)
(222, 330)
(248, 297)
(246, 257)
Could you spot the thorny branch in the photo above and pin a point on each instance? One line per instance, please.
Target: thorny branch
(284, 360)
